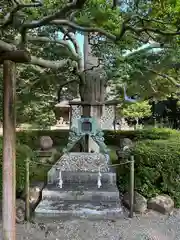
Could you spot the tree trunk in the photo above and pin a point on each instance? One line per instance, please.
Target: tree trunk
(93, 89)
(137, 123)
(9, 153)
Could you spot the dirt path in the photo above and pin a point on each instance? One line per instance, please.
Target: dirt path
(149, 227)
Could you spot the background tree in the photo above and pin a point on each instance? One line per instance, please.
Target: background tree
(36, 26)
(136, 111)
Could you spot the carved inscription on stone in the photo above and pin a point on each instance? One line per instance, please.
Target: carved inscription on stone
(83, 162)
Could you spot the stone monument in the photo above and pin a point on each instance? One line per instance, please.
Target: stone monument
(82, 183)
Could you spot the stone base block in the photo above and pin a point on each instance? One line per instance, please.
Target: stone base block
(83, 178)
(82, 193)
(69, 209)
(79, 176)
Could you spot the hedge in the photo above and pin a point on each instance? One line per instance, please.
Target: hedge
(156, 153)
(157, 169)
(22, 152)
(32, 137)
(60, 137)
(38, 172)
(113, 138)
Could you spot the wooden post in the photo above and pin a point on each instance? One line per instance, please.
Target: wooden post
(154, 121)
(86, 108)
(115, 118)
(70, 116)
(131, 187)
(9, 151)
(27, 211)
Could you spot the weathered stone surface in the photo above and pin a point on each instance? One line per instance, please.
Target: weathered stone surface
(46, 142)
(126, 146)
(43, 153)
(54, 154)
(43, 160)
(76, 192)
(126, 142)
(83, 178)
(83, 161)
(34, 193)
(140, 202)
(83, 209)
(48, 156)
(20, 211)
(162, 203)
(80, 196)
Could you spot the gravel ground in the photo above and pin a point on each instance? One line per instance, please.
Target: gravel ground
(149, 227)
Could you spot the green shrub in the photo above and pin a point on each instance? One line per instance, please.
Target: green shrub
(113, 137)
(157, 169)
(60, 137)
(22, 152)
(32, 137)
(156, 153)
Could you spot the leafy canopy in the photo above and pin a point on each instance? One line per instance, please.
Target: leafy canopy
(137, 110)
(114, 30)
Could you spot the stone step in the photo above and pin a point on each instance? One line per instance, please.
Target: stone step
(108, 178)
(85, 209)
(82, 187)
(81, 193)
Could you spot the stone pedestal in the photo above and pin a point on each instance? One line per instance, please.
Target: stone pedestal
(88, 188)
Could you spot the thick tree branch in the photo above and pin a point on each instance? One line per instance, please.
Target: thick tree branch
(68, 82)
(18, 6)
(63, 85)
(69, 7)
(124, 28)
(82, 28)
(60, 42)
(59, 18)
(150, 20)
(72, 7)
(34, 60)
(139, 30)
(55, 65)
(152, 87)
(78, 51)
(72, 38)
(6, 46)
(165, 76)
(79, 68)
